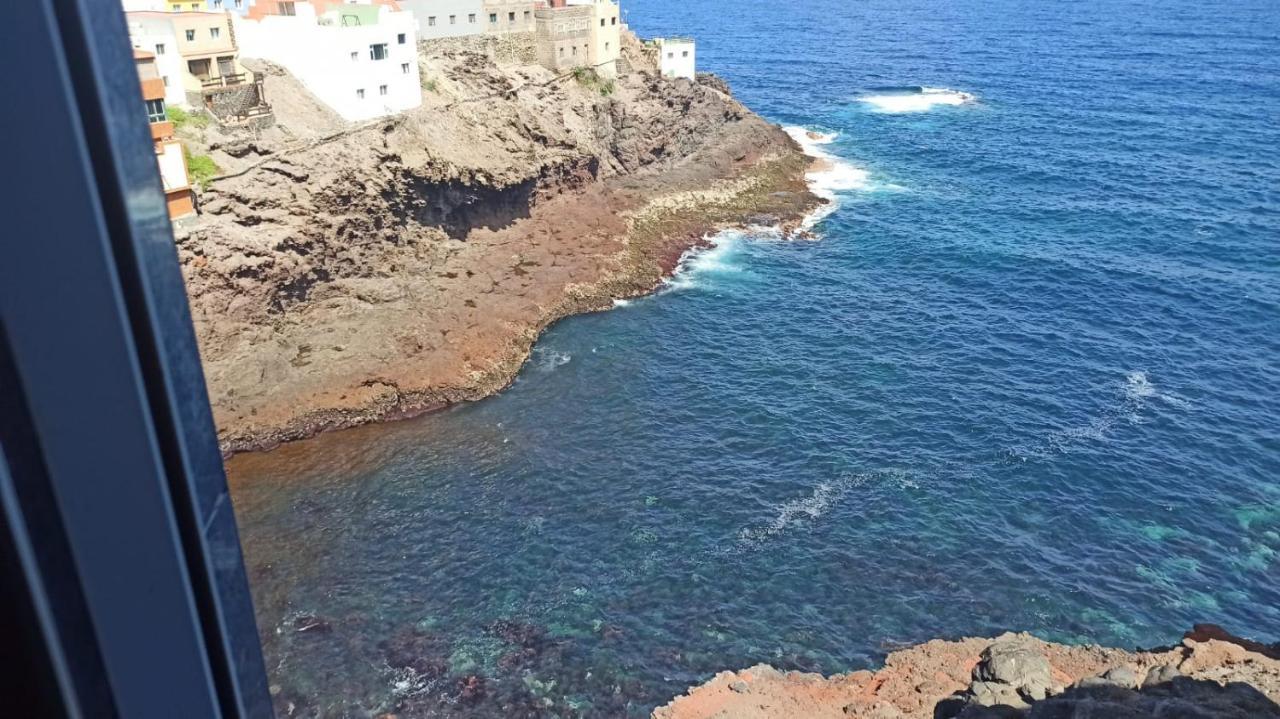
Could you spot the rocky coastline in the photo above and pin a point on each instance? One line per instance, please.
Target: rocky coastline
(1210, 674)
(343, 274)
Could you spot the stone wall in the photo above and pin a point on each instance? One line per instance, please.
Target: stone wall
(229, 102)
(515, 48)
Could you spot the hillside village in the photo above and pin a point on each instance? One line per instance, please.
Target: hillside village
(360, 58)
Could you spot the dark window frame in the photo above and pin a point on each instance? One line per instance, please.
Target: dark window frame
(119, 552)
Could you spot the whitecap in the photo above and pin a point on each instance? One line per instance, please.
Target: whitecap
(921, 100)
(831, 175)
(714, 256)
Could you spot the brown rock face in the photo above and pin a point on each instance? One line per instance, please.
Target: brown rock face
(342, 274)
(967, 679)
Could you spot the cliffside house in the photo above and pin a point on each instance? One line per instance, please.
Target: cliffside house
(677, 57)
(446, 18)
(169, 156)
(359, 58)
(195, 52)
(502, 17)
(579, 33)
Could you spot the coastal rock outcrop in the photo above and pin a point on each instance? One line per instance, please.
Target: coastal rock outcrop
(345, 273)
(1210, 675)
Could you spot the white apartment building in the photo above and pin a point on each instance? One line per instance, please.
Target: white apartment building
(360, 59)
(678, 57)
(447, 18)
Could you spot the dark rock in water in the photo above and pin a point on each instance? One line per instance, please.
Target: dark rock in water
(471, 689)
(763, 220)
(412, 648)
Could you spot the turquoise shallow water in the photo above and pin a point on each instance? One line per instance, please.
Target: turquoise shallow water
(1028, 378)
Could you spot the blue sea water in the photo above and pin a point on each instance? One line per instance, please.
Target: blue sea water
(1028, 378)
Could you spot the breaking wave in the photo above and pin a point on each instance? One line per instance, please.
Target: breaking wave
(916, 99)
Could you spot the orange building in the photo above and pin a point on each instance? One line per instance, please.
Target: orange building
(173, 164)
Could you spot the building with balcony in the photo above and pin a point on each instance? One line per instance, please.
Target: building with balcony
(579, 33)
(446, 18)
(169, 155)
(193, 50)
(677, 57)
(359, 58)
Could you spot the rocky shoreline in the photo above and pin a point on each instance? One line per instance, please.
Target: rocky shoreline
(342, 274)
(1210, 674)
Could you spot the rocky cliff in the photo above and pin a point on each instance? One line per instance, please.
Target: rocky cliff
(1211, 674)
(342, 274)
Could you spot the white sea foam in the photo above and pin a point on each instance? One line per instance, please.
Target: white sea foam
(621, 303)
(715, 256)
(834, 175)
(922, 99)
(549, 359)
(807, 509)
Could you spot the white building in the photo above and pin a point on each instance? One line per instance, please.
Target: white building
(447, 18)
(678, 57)
(155, 33)
(359, 59)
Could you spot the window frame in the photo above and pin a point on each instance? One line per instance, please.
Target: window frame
(137, 599)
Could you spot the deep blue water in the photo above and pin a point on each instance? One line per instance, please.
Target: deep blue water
(1028, 379)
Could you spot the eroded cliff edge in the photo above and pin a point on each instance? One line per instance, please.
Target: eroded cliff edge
(346, 273)
(1212, 674)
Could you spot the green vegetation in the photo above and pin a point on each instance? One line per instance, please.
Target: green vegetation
(429, 84)
(202, 168)
(181, 118)
(588, 77)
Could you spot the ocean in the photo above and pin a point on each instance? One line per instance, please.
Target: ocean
(1025, 377)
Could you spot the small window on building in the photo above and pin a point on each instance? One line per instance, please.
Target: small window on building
(378, 51)
(404, 68)
(453, 19)
(239, 3)
(382, 89)
(355, 57)
(601, 22)
(165, 80)
(217, 4)
(526, 16)
(511, 17)
(400, 38)
(191, 35)
(670, 55)
(493, 17)
(606, 46)
(684, 54)
(159, 48)
(155, 111)
(574, 51)
(613, 20)
(286, 8)
(562, 52)
(431, 21)
(215, 32)
(471, 18)
(360, 93)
